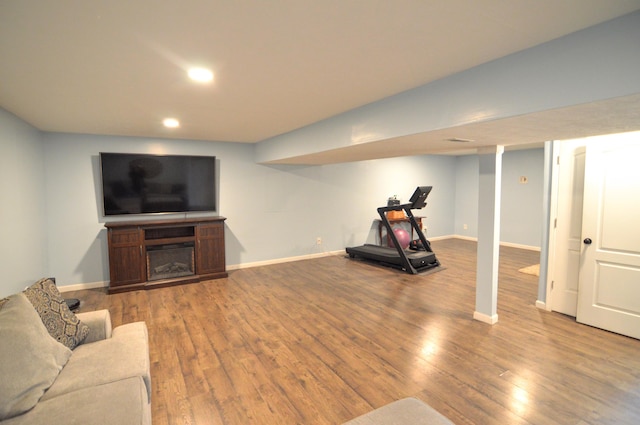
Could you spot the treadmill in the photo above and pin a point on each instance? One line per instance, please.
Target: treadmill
(413, 261)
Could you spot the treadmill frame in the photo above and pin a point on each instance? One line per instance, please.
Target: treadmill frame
(406, 264)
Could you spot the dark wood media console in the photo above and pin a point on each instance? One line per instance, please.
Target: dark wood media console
(152, 254)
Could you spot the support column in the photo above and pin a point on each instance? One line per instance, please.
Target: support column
(490, 185)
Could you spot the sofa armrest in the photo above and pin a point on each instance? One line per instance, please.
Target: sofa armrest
(99, 323)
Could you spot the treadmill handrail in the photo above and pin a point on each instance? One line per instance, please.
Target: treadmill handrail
(398, 207)
(414, 224)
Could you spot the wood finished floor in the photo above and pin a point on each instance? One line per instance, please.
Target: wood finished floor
(322, 341)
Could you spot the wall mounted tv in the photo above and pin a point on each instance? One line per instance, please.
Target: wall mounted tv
(148, 184)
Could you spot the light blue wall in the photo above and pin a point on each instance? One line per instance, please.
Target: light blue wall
(51, 208)
(23, 233)
(272, 212)
(521, 207)
(466, 202)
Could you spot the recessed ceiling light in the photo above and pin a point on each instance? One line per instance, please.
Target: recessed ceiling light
(201, 75)
(459, 140)
(171, 123)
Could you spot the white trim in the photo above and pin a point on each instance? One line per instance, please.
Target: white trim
(470, 238)
(283, 260)
(516, 245)
(105, 284)
(81, 286)
(553, 216)
(465, 238)
(94, 285)
(481, 317)
(542, 305)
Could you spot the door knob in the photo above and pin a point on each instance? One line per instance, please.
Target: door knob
(587, 241)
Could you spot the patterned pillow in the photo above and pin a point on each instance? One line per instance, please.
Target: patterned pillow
(61, 323)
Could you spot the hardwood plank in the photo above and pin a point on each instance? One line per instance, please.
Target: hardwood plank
(322, 341)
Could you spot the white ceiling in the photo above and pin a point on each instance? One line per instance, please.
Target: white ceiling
(119, 67)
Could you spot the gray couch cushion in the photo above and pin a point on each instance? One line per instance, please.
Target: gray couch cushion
(61, 322)
(99, 323)
(402, 412)
(117, 403)
(124, 355)
(31, 359)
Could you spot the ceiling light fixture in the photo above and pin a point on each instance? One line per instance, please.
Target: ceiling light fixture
(200, 75)
(171, 123)
(459, 140)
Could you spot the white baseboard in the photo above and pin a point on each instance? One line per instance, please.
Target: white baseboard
(469, 238)
(520, 246)
(441, 238)
(81, 286)
(93, 285)
(542, 305)
(481, 317)
(464, 238)
(283, 260)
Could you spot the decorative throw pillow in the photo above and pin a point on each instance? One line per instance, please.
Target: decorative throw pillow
(61, 323)
(31, 359)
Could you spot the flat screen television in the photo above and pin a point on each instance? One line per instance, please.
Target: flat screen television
(151, 184)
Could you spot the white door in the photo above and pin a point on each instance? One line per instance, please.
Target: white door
(564, 297)
(609, 288)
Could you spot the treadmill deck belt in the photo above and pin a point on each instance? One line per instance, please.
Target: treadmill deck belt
(420, 260)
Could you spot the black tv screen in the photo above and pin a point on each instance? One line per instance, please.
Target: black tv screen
(147, 184)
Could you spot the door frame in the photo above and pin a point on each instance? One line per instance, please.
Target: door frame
(563, 152)
(552, 213)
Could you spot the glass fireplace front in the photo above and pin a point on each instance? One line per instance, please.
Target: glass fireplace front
(170, 261)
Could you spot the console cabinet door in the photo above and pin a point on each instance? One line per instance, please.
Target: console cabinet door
(126, 260)
(210, 256)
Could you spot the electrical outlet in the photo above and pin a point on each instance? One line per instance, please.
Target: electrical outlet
(318, 240)
(524, 180)
(465, 227)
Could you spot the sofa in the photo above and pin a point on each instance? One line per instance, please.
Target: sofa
(57, 367)
(407, 411)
